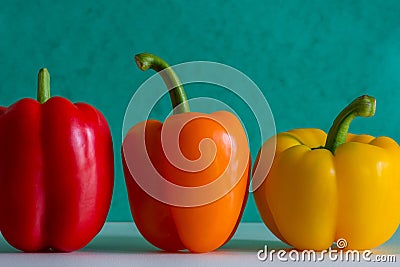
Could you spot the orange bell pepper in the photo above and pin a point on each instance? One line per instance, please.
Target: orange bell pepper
(188, 178)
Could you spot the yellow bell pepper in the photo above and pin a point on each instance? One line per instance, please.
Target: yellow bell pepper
(321, 188)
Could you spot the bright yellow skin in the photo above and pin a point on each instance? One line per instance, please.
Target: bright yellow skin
(311, 198)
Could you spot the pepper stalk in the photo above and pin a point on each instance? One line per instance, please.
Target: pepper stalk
(363, 106)
(43, 90)
(177, 94)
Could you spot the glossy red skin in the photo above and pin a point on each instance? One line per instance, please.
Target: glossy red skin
(56, 174)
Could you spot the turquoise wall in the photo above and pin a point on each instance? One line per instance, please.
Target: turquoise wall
(310, 58)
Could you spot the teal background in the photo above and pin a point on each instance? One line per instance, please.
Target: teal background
(310, 58)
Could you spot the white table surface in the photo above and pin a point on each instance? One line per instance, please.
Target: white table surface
(120, 244)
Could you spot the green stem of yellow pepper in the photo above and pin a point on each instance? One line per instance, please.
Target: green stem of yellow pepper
(43, 90)
(363, 106)
(177, 94)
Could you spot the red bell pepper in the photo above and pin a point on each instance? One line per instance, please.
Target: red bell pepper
(56, 172)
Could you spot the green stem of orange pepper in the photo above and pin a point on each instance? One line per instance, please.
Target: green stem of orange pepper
(363, 106)
(43, 90)
(177, 94)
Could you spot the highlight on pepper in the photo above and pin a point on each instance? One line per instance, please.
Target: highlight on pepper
(323, 187)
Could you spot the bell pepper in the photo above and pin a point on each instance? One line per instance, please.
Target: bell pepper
(187, 178)
(322, 188)
(56, 172)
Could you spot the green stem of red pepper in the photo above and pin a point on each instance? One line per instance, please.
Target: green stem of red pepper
(43, 90)
(363, 106)
(177, 94)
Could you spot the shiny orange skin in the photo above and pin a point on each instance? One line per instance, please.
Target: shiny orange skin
(200, 228)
